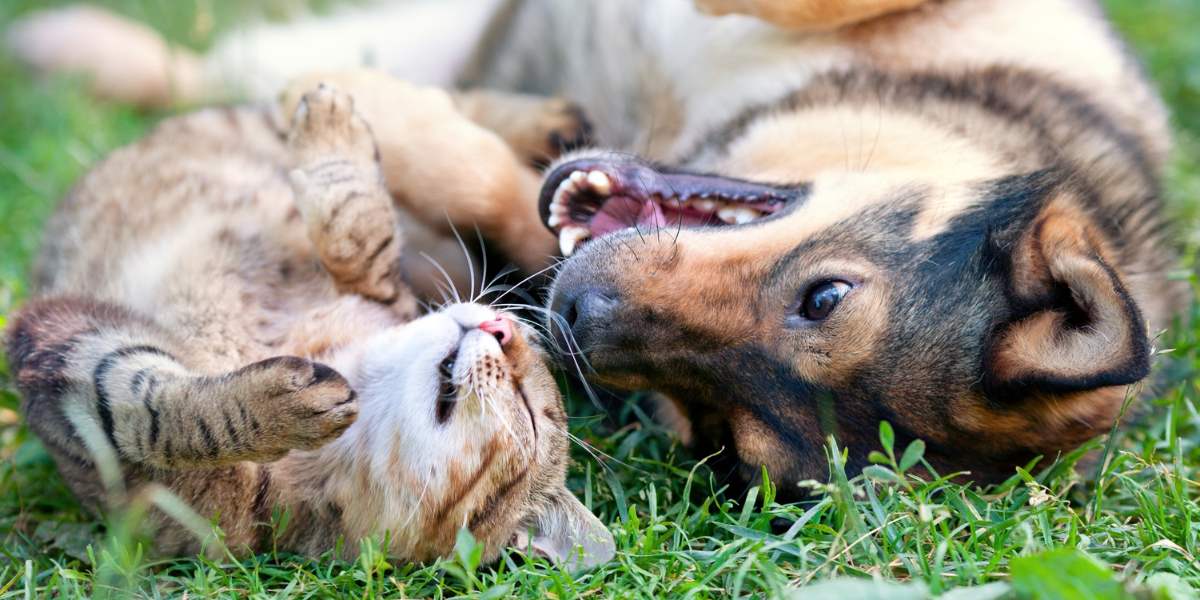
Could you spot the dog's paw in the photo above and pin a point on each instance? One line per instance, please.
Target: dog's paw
(561, 126)
(326, 126)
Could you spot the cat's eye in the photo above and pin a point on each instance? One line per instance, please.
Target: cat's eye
(447, 392)
(821, 299)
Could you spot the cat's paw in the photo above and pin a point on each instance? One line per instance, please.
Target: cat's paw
(325, 126)
(301, 405)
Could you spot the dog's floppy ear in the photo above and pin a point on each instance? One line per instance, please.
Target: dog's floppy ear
(567, 533)
(1074, 327)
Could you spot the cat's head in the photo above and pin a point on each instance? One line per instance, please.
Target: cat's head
(465, 427)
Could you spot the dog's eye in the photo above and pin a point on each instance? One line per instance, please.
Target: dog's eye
(822, 298)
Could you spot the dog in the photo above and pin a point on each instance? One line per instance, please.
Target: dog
(797, 217)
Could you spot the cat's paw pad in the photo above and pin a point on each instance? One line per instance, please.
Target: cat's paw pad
(326, 126)
(303, 404)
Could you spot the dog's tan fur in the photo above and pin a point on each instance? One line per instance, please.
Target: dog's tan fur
(808, 15)
(984, 172)
(187, 296)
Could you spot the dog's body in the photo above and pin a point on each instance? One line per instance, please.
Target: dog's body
(972, 184)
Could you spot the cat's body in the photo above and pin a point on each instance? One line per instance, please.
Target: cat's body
(190, 292)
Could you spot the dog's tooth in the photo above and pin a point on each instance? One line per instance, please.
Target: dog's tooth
(566, 188)
(555, 220)
(578, 178)
(704, 204)
(599, 182)
(569, 238)
(728, 214)
(745, 215)
(558, 208)
(561, 194)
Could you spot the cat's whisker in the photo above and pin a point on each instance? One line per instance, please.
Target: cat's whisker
(418, 506)
(446, 275)
(470, 261)
(444, 292)
(484, 267)
(536, 329)
(557, 263)
(573, 351)
(497, 414)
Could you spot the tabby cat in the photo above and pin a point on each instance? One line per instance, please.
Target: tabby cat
(218, 311)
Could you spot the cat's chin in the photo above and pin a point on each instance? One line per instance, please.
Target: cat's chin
(434, 371)
(446, 389)
(445, 432)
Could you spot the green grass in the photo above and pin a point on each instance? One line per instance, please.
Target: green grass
(1130, 524)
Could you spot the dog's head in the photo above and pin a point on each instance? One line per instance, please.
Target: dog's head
(987, 317)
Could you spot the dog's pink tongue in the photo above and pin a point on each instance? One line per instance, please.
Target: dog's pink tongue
(620, 212)
(651, 216)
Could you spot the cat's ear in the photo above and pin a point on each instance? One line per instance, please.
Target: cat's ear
(567, 533)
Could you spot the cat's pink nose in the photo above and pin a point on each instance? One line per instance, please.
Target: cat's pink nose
(501, 327)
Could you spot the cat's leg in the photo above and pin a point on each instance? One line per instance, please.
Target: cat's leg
(340, 192)
(97, 378)
(443, 168)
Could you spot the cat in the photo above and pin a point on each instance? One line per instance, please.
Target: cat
(218, 310)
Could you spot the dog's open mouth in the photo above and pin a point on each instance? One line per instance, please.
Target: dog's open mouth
(585, 199)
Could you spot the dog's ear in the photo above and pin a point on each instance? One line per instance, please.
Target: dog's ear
(1074, 328)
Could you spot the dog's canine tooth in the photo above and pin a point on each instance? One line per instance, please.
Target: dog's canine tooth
(728, 214)
(599, 182)
(565, 190)
(566, 187)
(569, 238)
(745, 215)
(578, 178)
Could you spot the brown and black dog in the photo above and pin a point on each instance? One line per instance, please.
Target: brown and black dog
(809, 216)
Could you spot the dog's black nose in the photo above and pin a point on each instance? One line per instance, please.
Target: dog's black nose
(583, 314)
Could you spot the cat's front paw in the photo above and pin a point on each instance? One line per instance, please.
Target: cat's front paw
(300, 404)
(326, 127)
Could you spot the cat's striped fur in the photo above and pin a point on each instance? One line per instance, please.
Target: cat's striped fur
(219, 310)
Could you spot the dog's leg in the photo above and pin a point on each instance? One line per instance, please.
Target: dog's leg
(444, 169)
(123, 60)
(809, 15)
(428, 41)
